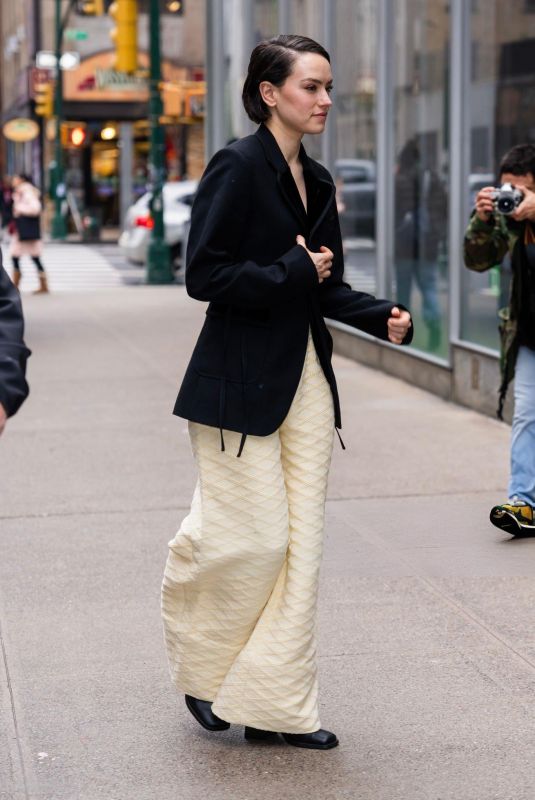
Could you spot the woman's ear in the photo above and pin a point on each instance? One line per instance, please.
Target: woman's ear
(267, 93)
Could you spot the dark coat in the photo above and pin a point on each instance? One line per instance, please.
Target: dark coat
(13, 351)
(263, 290)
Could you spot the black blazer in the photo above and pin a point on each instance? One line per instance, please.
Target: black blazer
(262, 288)
(13, 351)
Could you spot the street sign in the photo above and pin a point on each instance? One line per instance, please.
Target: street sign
(75, 35)
(21, 130)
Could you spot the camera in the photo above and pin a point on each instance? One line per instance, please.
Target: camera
(507, 198)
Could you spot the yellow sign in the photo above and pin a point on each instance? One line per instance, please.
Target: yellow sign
(21, 130)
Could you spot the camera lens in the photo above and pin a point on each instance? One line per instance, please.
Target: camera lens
(506, 205)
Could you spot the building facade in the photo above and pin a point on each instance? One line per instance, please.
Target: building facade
(428, 97)
(106, 168)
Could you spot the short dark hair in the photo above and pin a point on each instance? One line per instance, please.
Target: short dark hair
(519, 160)
(272, 61)
(25, 178)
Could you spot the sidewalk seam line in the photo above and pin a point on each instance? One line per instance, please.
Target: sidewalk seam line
(14, 714)
(474, 618)
(90, 513)
(453, 604)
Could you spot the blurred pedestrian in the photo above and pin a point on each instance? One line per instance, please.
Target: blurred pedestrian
(26, 238)
(265, 249)
(6, 203)
(492, 238)
(13, 351)
(420, 223)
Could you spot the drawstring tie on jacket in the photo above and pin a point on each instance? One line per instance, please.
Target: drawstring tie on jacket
(245, 399)
(223, 380)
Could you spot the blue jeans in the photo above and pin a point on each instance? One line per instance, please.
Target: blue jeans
(424, 274)
(522, 483)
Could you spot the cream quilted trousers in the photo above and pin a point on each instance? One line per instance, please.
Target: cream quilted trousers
(240, 585)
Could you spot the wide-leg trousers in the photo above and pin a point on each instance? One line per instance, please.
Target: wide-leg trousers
(240, 585)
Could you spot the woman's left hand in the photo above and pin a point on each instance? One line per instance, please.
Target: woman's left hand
(398, 325)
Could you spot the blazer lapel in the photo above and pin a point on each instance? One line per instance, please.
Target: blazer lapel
(285, 179)
(321, 193)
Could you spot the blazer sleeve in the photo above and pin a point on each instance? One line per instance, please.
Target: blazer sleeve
(218, 225)
(13, 352)
(338, 301)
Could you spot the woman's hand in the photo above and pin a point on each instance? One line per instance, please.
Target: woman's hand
(398, 325)
(322, 260)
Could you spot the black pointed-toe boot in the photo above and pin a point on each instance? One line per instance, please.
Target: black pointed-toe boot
(202, 711)
(318, 740)
(257, 735)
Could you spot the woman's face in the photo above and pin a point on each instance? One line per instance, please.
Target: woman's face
(303, 101)
(16, 180)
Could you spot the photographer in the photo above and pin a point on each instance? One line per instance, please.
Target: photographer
(504, 223)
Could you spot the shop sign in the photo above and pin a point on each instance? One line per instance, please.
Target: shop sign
(21, 130)
(119, 81)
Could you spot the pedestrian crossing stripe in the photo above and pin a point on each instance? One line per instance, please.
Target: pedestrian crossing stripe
(69, 268)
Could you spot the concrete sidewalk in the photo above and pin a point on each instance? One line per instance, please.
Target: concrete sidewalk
(427, 641)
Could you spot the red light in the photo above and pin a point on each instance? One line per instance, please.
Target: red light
(78, 136)
(145, 222)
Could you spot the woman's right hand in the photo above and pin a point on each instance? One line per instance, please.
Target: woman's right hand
(485, 203)
(322, 260)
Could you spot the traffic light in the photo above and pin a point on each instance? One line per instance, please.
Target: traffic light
(73, 135)
(124, 35)
(77, 136)
(90, 8)
(44, 99)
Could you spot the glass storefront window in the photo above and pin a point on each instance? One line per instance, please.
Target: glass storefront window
(501, 114)
(237, 47)
(306, 18)
(355, 138)
(421, 278)
(266, 19)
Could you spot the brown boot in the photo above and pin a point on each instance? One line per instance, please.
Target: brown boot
(43, 285)
(16, 277)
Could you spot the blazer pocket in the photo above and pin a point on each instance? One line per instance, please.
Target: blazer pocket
(234, 350)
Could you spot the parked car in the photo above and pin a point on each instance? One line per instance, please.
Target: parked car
(356, 182)
(177, 202)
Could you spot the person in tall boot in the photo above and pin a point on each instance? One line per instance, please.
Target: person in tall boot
(26, 230)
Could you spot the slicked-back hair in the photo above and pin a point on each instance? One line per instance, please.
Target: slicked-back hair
(272, 61)
(519, 160)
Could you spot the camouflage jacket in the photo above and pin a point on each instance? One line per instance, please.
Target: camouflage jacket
(485, 246)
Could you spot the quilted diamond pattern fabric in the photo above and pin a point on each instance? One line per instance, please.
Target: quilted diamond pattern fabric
(240, 584)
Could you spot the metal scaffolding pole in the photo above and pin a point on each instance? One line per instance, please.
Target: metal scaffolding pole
(215, 76)
(159, 268)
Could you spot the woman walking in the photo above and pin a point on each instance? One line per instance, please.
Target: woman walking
(26, 229)
(265, 250)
